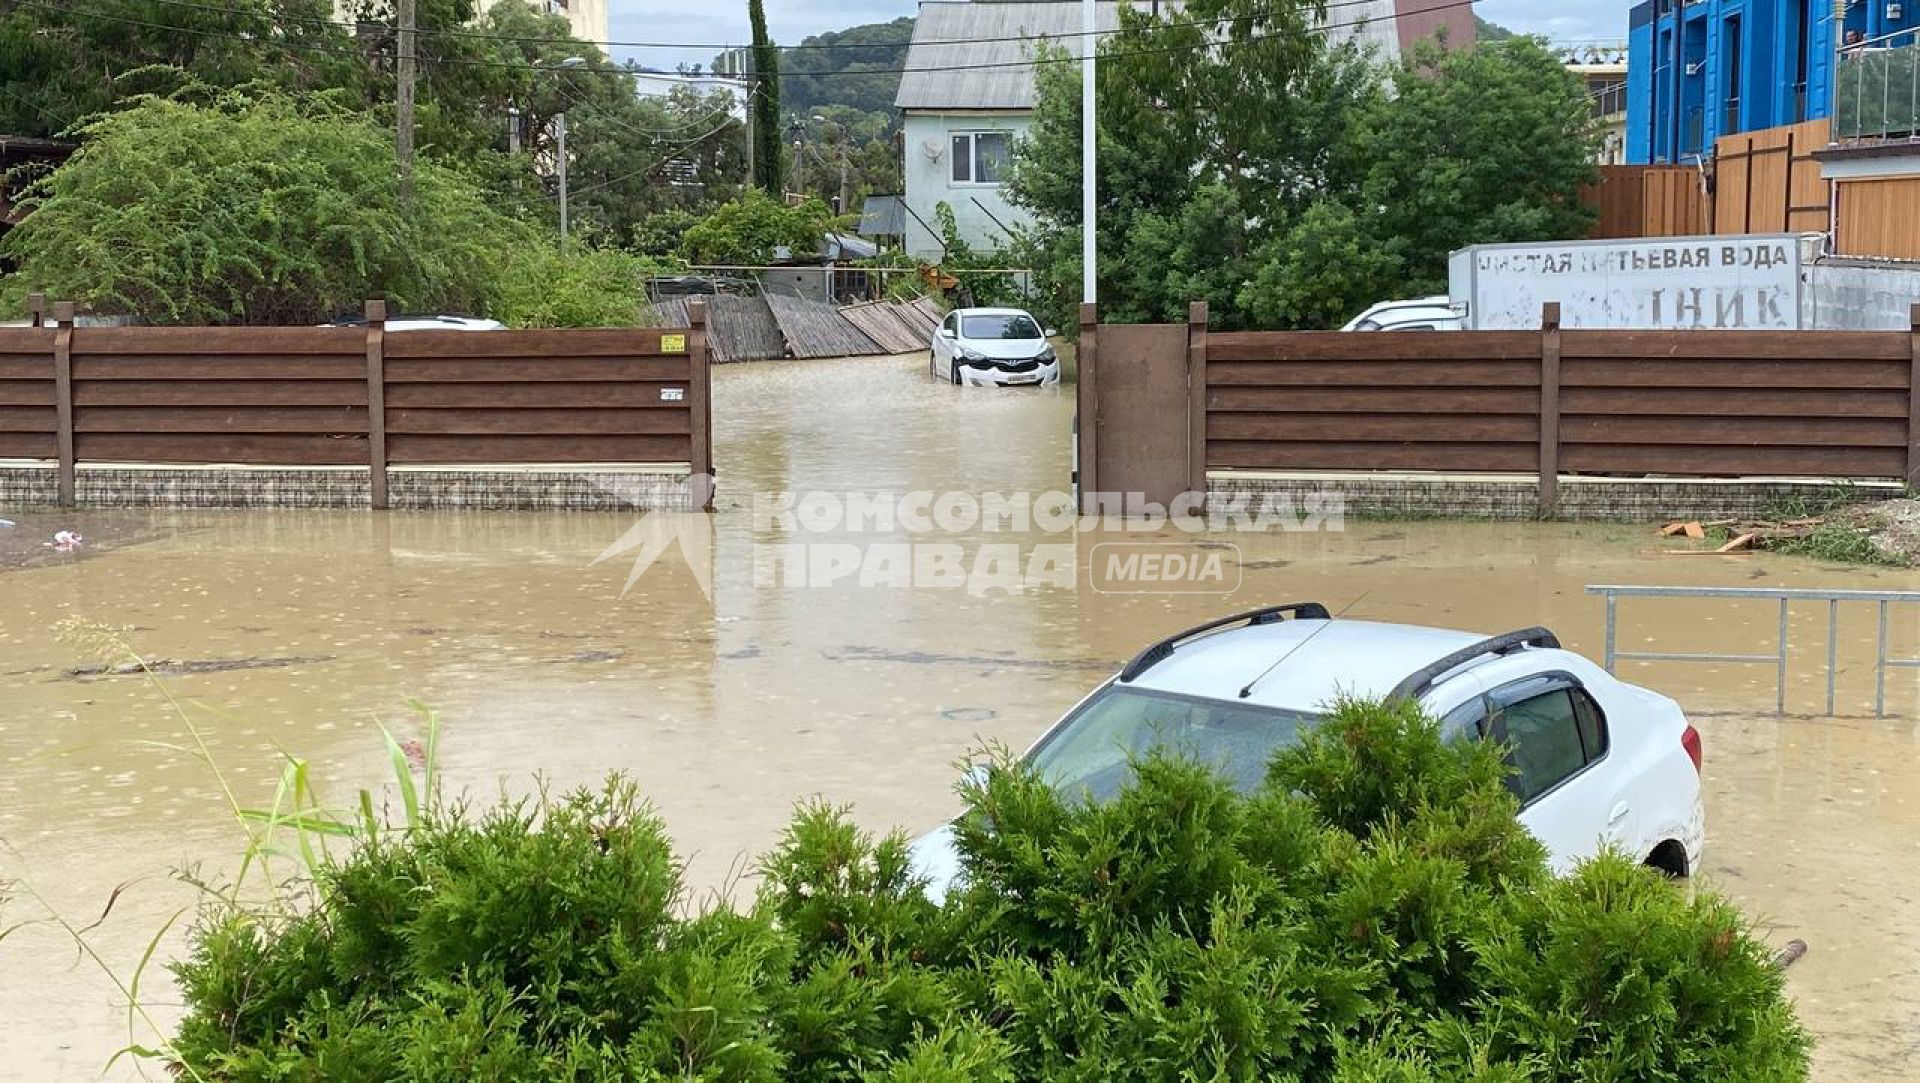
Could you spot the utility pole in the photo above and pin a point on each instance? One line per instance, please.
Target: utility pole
(1088, 155)
(403, 101)
(560, 149)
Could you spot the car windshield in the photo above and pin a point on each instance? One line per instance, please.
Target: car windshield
(1093, 752)
(986, 328)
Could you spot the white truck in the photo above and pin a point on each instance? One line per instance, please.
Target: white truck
(1758, 282)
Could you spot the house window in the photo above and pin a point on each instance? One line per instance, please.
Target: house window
(980, 157)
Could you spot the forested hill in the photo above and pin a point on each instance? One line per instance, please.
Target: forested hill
(858, 67)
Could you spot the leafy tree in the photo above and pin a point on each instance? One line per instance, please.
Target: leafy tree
(1477, 146)
(1372, 913)
(1286, 177)
(769, 164)
(747, 230)
(266, 211)
(60, 64)
(863, 142)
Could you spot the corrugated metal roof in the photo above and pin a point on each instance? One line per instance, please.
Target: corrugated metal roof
(950, 35)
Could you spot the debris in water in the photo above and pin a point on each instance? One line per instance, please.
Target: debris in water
(5, 523)
(969, 714)
(1790, 954)
(170, 667)
(65, 541)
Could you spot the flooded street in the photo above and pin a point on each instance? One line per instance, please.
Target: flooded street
(299, 631)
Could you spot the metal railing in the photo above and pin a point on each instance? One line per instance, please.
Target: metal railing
(1877, 88)
(1885, 599)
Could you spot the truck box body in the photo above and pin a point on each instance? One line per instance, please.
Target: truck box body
(1668, 283)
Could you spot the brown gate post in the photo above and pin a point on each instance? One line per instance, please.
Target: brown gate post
(1549, 407)
(377, 403)
(63, 397)
(700, 404)
(1197, 400)
(1087, 396)
(1913, 397)
(37, 309)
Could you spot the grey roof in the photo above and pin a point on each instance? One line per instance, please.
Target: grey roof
(997, 74)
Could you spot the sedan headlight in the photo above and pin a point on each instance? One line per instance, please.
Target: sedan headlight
(971, 357)
(1047, 354)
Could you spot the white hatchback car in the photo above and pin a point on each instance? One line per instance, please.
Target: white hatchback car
(1423, 314)
(992, 347)
(1597, 762)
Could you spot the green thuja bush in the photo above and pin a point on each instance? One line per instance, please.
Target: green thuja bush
(1373, 914)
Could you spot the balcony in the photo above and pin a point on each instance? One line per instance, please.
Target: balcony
(1877, 91)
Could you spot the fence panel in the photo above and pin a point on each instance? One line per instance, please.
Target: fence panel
(353, 396)
(1327, 400)
(28, 414)
(1769, 181)
(538, 396)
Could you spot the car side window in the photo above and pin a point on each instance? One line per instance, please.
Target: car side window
(1544, 741)
(950, 324)
(1593, 724)
(1467, 722)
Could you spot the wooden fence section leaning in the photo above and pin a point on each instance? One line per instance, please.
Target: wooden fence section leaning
(1683, 404)
(1769, 181)
(351, 396)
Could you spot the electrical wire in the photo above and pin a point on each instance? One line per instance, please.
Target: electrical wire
(608, 46)
(1028, 62)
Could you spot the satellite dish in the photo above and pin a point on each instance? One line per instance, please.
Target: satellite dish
(933, 149)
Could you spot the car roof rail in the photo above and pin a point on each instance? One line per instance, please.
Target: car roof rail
(1421, 681)
(1164, 649)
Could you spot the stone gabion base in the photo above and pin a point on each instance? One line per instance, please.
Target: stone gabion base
(501, 489)
(1515, 498)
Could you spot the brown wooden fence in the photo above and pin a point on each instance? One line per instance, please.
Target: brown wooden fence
(1649, 201)
(1769, 182)
(348, 396)
(1829, 404)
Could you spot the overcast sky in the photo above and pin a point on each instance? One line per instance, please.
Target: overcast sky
(791, 20)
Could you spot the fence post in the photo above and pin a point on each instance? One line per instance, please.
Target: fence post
(377, 403)
(1549, 407)
(1197, 401)
(700, 405)
(63, 396)
(37, 309)
(1088, 411)
(1786, 198)
(1913, 398)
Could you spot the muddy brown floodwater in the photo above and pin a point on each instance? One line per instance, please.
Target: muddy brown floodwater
(298, 630)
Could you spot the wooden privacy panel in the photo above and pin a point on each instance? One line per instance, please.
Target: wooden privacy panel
(1736, 403)
(352, 396)
(28, 417)
(1769, 182)
(1879, 218)
(1648, 201)
(538, 396)
(1835, 404)
(275, 395)
(1328, 400)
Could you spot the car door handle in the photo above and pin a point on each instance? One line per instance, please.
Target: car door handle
(1619, 813)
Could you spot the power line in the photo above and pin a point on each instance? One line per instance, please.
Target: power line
(1028, 62)
(607, 46)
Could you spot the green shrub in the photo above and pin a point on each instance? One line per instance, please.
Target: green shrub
(1373, 914)
(259, 209)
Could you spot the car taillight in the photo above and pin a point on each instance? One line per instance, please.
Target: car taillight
(1690, 741)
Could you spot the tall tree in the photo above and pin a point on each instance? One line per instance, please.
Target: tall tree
(769, 162)
(1286, 176)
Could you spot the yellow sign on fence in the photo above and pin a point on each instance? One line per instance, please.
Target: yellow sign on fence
(673, 344)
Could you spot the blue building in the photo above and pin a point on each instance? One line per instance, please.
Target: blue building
(1701, 69)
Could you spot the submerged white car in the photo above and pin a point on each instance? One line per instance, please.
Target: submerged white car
(1422, 314)
(1598, 763)
(997, 347)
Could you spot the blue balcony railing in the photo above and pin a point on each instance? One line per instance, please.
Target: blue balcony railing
(1877, 92)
